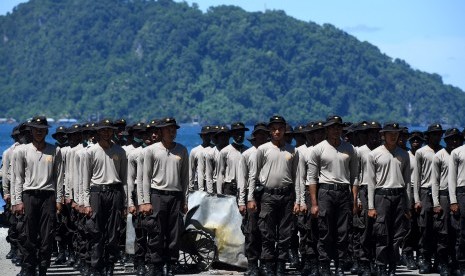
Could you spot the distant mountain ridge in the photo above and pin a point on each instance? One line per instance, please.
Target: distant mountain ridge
(144, 59)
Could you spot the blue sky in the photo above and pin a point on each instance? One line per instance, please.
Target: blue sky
(427, 34)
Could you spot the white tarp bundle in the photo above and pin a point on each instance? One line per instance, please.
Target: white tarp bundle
(219, 215)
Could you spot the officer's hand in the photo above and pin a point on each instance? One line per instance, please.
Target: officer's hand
(408, 214)
(355, 209)
(242, 209)
(296, 209)
(418, 207)
(303, 208)
(145, 209)
(59, 206)
(7, 198)
(437, 210)
(68, 201)
(19, 209)
(252, 206)
(13, 209)
(88, 211)
(454, 207)
(372, 213)
(314, 211)
(132, 210)
(185, 208)
(74, 205)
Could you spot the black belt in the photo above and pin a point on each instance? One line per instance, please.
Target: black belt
(444, 192)
(426, 189)
(279, 191)
(390, 192)
(105, 187)
(334, 187)
(460, 190)
(163, 192)
(38, 192)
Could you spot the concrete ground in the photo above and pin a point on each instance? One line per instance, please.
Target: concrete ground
(8, 269)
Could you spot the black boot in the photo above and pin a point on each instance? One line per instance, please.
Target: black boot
(170, 269)
(410, 261)
(424, 267)
(139, 267)
(339, 271)
(11, 254)
(42, 271)
(443, 269)
(382, 270)
(252, 269)
(280, 268)
(364, 268)
(109, 269)
(392, 269)
(355, 268)
(267, 269)
(71, 259)
(325, 269)
(462, 269)
(293, 258)
(61, 258)
(155, 269)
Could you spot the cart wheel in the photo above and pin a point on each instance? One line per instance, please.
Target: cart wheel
(197, 247)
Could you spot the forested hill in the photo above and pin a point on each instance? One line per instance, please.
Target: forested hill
(143, 59)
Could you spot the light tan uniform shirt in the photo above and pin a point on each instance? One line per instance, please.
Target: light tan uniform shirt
(6, 163)
(439, 174)
(72, 172)
(104, 167)
(12, 170)
(331, 165)
(193, 166)
(211, 168)
(302, 171)
(424, 161)
(456, 172)
(228, 166)
(276, 167)
(38, 170)
(80, 158)
(387, 170)
(143, 197)
(201, 168)
(132, 173)
(166, 169)
(362, 153)
(244, 174)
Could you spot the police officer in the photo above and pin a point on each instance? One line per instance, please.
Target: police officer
(38, 195)
(422, 194)
(440, 193)
(333, 168)
(104, 193)
(165, 179)
(140, 247)
(276, 167)
(229, 160)
(221, 138)
(412, 237)
(196, 169)
(363, 238)
(388, 177)
(253, 243)
(456, 183)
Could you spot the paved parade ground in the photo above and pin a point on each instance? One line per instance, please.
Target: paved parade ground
(8, 269)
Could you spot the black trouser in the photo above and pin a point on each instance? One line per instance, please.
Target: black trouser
(335, 214)
(412, 238)
(39, 219)
(140, 243)
(82, 239)
(230, 188)
(163, 237)
(428, 240)
(367, 243)
(459, 222)
(253, 238)
(65, 229)
(104, 226)
(390, 227)
(276, 224)
(308, 228)
(443, 229)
